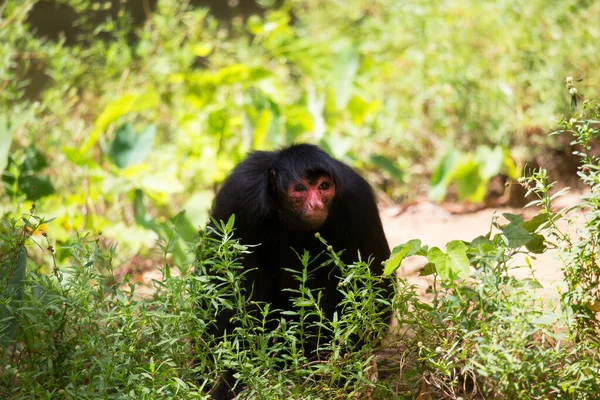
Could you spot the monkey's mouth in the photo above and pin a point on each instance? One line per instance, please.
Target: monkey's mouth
(314, 220)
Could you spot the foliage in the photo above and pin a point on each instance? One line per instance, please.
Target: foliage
(487, 332)
(77, 332)
(578, 240)
(125, 130)
(383, 85)
(471, 173)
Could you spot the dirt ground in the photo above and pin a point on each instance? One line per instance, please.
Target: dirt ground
(435, 226)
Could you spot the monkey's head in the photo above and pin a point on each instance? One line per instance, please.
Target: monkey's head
(305, 180)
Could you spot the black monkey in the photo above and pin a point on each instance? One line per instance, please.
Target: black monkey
(280, 199)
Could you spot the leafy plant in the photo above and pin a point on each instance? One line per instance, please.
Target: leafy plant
(79, 332)
(578, 252)
(470, 172)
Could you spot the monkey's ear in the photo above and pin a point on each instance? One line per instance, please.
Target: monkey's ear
(272, 177)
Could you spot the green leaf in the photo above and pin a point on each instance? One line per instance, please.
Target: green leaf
(514, 234)
(259, 141)
(482, 244)
(481, 241)
(357, 107)
(443, 174)
(516, 218)
(344, 71)
(534, 223)
(197, 207)
(140, 215)
(469, 182)
(254, 24)
(6, 133)
(457, 252)
(427, 269)
(439, 259)
(490, 160)
(161, 182)
(537, 244)
(129, 148)
(530, 283)
(240, 73)
(119, 107)
(184, 226)
(139, 211)
(452, 264)
(36, 187)
(386, 164)
(29, 180)
(400, 252)
(230, 223)
(509, 167)
(360, 109)
(202, 49)
(76, 157)
(33, 161)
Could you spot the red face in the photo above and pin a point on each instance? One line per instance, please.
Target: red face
(308, 201)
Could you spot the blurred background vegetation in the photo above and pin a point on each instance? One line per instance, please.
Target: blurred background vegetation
(116, 116)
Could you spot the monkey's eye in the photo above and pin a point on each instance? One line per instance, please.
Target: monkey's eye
(299, 187)
(324, 186)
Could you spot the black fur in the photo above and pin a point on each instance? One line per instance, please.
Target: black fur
(253, 193)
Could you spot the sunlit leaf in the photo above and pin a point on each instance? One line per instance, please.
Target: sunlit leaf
(76, 157)
(298, 120)
(6, 134)
(259, 140)
(344, 71)
(490, 160)
(254, 24)
(162, 183)
(237, 73)
(452, 264)
(400, 252)
(443, 174)
(121, 106)
(129, 148)
(203, 49)
(184, 226)
(469, 183)
(530, 283)
(230, 223)
(509, 167)
(360, 109)
(457, 252)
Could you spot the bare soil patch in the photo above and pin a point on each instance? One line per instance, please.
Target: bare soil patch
(434, 225)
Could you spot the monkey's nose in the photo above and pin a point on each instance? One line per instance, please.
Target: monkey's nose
(315, 205)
